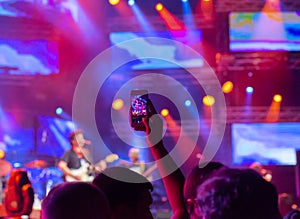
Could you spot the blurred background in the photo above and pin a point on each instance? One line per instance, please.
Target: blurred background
(252, 47)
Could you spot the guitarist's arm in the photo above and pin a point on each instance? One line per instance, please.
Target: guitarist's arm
(63, 166)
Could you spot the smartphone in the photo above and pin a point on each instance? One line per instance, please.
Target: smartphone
(138, 108)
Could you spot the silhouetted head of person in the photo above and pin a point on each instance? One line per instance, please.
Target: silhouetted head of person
(128, 192)
(285, 202)
(287, 207)
(75, 200)
(236, 194)
(196, 177)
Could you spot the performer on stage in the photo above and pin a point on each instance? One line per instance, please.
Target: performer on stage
(74, 163)
(134, 164)
(138, 165)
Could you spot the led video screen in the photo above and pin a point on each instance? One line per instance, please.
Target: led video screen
(167, 49)
(267, 143)
(260, 31)
(28, 57)
(16, 139)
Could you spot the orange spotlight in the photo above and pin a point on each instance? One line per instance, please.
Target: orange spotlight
(159, 6)
(2, 154)
(207, 8)
(118, 104)
(208, 100)
(114, 2)
(273, 114)
(172, 22)
(164, 112)
(277, 98)
(227, 87)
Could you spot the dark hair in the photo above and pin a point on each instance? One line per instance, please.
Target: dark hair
(122, 185)
(197, 176)
(236, 194)
(73, 135)
(75, 200)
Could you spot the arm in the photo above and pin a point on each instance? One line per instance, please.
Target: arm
(63, 166)
(173, 182)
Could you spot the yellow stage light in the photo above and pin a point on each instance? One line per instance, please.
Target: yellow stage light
(114, 2)
(208, 100)
(164, 112)
(118, 104)
(227, 87)
(159, 6)
(277, 98)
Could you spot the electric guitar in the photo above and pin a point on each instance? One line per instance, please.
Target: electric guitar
(149, 171)
(84, 173)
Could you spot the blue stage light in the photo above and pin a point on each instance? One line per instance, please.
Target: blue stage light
(187, 103)
(131, 2)
(249, 90)
(59, 110)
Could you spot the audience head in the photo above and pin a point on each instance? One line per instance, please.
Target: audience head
(236, 194)
(128, 192)
(285, 202)
(75, 200)
(287, 207)
(196, 177)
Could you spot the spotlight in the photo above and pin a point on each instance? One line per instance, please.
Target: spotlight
(159, 6)
(117, 104)
(208, 100)
(184, 0)
(2, 154)
(227, 87)
(164, 112)
(131, 2)
(114, 2)
(249, 90)
(17, 165)
(59, 110)
(277, 98)
(187, 103)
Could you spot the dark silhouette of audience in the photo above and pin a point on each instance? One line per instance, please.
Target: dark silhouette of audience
(195, 178)
(75, 200)
(210, 191)
(128, 192)
(237, 194)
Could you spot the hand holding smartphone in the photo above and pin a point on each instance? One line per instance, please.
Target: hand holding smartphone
(138, 108)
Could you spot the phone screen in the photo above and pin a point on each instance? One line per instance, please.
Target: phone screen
(139, 106)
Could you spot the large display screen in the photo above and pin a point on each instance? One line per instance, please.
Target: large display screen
(28, 57)
(266, 143)
(160, 48)
(262, 31)
(16, 137)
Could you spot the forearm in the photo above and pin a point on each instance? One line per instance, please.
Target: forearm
(65, 169)
(172, 178)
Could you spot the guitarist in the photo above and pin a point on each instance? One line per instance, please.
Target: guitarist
(74, 164)
(135, 164)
